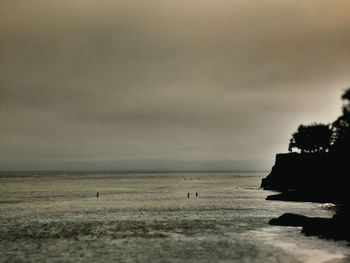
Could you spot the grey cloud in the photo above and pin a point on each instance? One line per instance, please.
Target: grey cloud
(185, 81)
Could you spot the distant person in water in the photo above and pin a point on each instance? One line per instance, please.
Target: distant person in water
(188, 195)
(196, 194)
(97, 195)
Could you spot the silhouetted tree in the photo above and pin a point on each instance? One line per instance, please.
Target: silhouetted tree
(346, 95)
(341, 126)
(312, 138)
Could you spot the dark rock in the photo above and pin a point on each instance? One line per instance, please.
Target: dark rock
(289, 219)
(321, 227)
(298, 196)
(309, 177)
(298, 172)
(312, 177)
(336, 228)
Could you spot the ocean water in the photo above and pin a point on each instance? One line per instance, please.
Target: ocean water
(148, 218)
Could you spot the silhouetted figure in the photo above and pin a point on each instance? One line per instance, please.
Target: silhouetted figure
(188, 195)
(97, 195)
(196, 194)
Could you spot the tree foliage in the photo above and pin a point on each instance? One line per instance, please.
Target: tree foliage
(346, 95)
(312, 138)
(341, 127)
(323, 138)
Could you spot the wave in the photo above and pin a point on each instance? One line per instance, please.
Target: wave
(304, 249)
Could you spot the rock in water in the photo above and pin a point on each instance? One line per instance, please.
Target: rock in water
(289, 219)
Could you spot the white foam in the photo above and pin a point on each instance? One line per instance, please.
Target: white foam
(310, 252)
(327, 205)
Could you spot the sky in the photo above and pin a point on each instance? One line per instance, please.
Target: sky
(166, 85)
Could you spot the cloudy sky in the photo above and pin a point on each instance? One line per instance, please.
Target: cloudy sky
(185, 84)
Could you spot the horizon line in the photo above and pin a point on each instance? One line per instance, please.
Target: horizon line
(131, 171)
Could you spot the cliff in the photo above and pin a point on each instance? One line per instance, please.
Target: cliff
(317, 177)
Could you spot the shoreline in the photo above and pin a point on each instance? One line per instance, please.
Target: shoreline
(306, 178)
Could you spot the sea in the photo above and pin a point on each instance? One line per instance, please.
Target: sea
(148, 217)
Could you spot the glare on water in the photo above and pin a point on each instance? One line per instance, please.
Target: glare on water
(149, 218)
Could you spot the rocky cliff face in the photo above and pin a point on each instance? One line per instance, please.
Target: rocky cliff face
(293, 171)
(316, 177)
